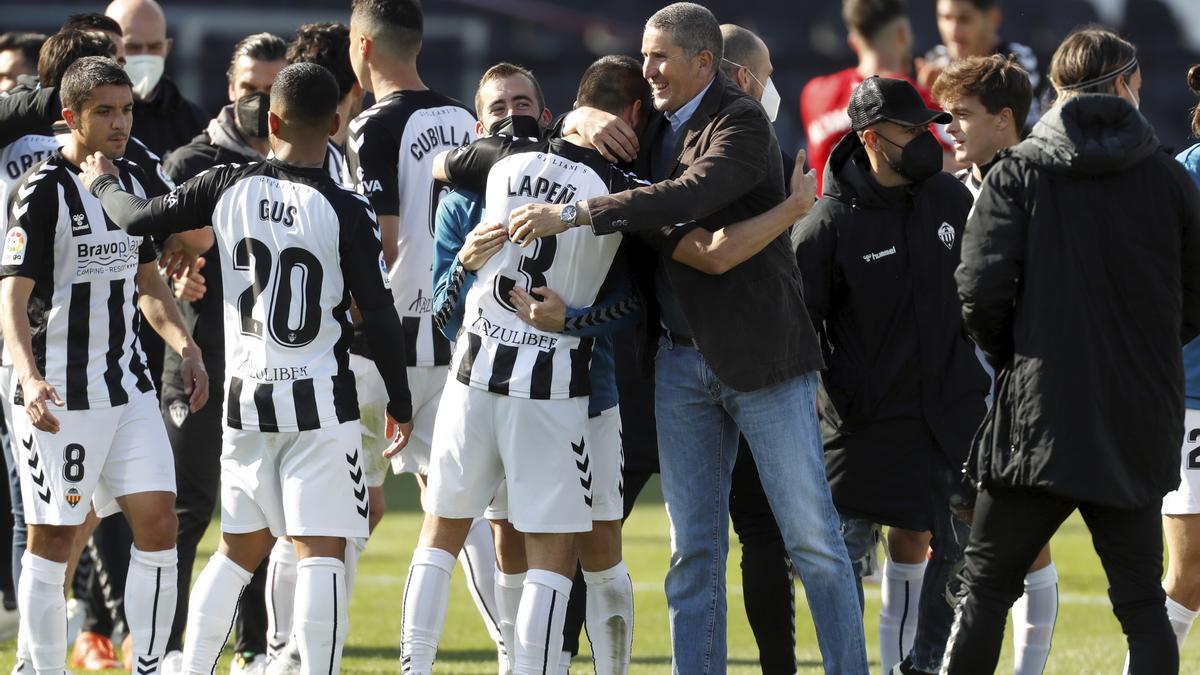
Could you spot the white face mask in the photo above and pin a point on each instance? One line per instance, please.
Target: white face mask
(145, 70)
(771, 100)
(770, 97)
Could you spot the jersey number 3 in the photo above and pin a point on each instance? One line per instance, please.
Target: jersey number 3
(293, 319)
(533, 268)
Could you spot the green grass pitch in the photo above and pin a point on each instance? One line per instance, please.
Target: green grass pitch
(1087, 638)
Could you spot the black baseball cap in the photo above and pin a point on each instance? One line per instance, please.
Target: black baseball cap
(884, 99)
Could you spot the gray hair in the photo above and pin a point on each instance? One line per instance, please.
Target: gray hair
(693, 28)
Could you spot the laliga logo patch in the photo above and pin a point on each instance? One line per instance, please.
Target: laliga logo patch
(73, 497)
(80, 225)
(179, 412)
(14, 246)
(383, 271)
(946, 234)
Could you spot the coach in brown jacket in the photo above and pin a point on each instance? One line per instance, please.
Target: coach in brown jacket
(737, 349)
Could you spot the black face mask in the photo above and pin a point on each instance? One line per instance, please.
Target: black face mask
(250, 114)
(920, 159)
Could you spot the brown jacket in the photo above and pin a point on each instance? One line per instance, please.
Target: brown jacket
(750, 323)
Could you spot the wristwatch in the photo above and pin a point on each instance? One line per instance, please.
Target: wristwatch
(569, 215)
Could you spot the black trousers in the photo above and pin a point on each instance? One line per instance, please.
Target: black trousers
(1010, 527)
(768, 591)
(196, 442)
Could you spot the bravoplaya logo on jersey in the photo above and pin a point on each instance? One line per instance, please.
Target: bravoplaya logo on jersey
(107, 257)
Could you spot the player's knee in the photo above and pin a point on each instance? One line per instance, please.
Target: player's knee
(156, 531)
(377, 506)
(52, 542)
(600, 549)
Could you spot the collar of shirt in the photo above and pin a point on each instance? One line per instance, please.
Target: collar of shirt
(680, 117)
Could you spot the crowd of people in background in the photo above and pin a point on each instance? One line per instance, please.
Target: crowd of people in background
(967, 308)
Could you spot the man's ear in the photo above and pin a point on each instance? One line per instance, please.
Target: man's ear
(274, 122)
(167, 50)
(742, 77)
(1004, 119)
(705, 60)
(546, 118)
(365, 46)
(335, 124)
(479, 130)
(70, 118)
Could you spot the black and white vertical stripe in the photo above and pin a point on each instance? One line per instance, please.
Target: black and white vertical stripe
(85, 336)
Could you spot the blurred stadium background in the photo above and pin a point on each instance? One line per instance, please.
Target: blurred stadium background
(558, 39)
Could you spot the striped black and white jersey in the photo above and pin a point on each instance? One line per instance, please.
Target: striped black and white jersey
(83, 308)
(18, 157)
(294, 248)
(390, 152)
(498, 351)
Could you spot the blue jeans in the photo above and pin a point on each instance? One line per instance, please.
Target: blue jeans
(699, 419)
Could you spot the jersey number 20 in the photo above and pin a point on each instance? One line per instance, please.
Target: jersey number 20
(533, 268)
(292, 322)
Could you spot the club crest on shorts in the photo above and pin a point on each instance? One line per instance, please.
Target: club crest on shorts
(73, 497)
(179, 412)
(946, 234)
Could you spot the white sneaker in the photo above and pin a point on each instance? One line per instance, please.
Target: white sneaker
(172, 663)
(255, 666)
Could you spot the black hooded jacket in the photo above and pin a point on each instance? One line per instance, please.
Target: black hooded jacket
(903, 389)
(1080, 279)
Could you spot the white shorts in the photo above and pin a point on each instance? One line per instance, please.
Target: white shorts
(607, 461)
(425, 383)
(539, 446)
(372, 418)
(96, 456)
(1186, 500)
(300, 483)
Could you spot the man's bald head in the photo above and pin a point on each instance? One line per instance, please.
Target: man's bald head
(144, 25)
(744, 49)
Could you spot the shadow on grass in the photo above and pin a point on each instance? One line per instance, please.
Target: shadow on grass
(474, 655)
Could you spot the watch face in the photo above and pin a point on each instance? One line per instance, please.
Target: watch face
(568, 214)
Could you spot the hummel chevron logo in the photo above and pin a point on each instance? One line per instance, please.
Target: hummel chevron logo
(361, 493)
(27, 190)
(363, 511)
(580, 449)
(39, 478)
(147, 665)
(352, 460)
(583, 466)
(356, 476)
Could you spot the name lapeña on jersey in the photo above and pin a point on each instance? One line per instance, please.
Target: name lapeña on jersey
(500, 352)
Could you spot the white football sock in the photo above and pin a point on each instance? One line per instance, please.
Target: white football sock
(426, 599)
(43, 608)
(508, 601)
(478, 558)
(1181, 618)
(215, 595)
(151, 588)
(354, 549)
(1033, 617)
(540, 619)
(564, 663)
(901, 591)
(281, 595)
(322, 615)
(609, 618)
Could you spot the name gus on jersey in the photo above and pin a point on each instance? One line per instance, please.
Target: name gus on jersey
(433, 139)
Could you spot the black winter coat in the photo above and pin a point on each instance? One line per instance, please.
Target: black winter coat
(1080, 279)
(903, 389)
